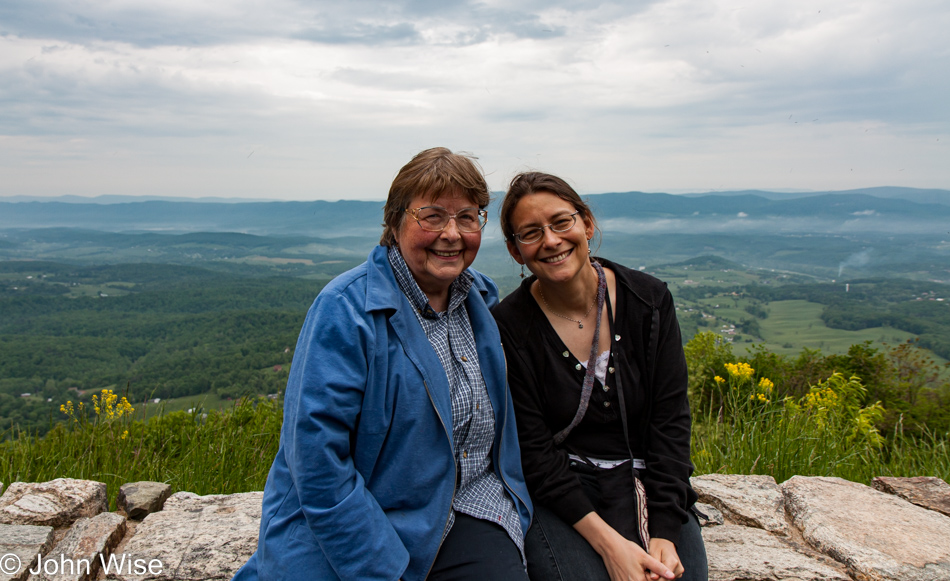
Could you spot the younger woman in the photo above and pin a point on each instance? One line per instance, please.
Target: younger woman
(598, 378)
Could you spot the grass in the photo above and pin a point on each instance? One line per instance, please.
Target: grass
(799, 324)
(214, 452)
(825, 433)
(111, 289)
(205, 445)
(780, 447)
(678, 277)
(204, 402)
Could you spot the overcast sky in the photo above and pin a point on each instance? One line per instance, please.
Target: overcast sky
(290, 99)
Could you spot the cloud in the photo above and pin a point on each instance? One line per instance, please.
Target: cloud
(374, 34)
(214, 22)
(653, 95)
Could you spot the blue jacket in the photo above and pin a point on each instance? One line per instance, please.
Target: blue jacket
(364, 478)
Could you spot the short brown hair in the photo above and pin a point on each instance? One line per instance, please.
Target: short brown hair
(432, 173)
(534, 182)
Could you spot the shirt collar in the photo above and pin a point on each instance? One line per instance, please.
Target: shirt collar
(458, 291)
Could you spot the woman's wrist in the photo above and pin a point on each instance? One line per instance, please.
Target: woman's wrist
(601, 536)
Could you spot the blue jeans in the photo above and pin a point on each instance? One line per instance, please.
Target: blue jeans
(557, 552)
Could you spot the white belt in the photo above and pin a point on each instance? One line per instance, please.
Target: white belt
(608, 464)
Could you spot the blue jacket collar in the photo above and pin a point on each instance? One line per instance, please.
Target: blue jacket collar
(383, 293)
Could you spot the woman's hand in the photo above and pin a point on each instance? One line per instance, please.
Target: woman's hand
(665, 552)
(624, 560)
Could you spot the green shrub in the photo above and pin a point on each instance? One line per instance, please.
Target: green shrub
(218, 452)
(826, 432)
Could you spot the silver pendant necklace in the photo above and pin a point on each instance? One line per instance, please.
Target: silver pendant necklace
(580, 325)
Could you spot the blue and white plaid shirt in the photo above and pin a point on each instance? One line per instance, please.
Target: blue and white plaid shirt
(479, 490)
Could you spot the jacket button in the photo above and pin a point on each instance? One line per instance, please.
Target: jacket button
(606, 404)
(464, 358)
(577, 367)
(464, 454)
(606, 388)
(616, 337)
(566, 354)
(610, 369)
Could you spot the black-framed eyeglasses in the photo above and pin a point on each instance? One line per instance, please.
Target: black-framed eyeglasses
(562, 224)
(436, 218)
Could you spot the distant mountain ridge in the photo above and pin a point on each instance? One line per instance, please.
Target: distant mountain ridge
(866, 210)
(119, 199)
(919, 195)
(313, 218)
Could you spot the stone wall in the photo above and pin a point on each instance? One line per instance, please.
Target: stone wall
(806, 529)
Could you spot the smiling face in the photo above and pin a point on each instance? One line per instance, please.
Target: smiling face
(436, 259)
(558, 256)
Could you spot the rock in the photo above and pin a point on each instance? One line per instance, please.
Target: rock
(55, 503)
(751, 554)
(77, 556)
(712, 515)
(19, 547)
(139, 499)
(754, 501)
(877, 535)
(195, 537)
(926, 491)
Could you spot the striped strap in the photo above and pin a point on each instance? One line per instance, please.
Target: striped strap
(588, 386)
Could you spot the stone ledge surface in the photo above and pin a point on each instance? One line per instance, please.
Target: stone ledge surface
(833, 529)
(195, 537)
(77, 556)
(19, 547)
(879, 537)
(750, 500)
(925, 491)
(751, 554)
(139, 499)
(711, 515)
(55, 503)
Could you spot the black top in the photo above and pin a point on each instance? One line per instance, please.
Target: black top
(546, 386)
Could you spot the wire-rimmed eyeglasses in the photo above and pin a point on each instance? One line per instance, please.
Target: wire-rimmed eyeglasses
(562, 224)
(436, 218)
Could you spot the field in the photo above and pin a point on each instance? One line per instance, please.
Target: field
(191, 403)
(792, 325)
(215, 315)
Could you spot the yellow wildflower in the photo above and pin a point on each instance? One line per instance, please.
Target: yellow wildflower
(124, 408)
(69, 410)
(766, 384)
(719, 379)
(741, 371)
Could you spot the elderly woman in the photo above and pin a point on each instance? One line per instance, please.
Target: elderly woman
(398, 454)
(598, 377)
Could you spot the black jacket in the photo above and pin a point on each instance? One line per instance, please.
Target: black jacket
(545, 385)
